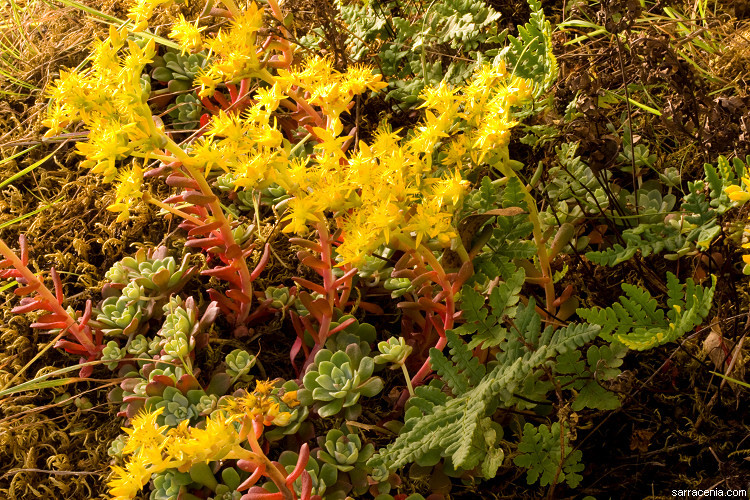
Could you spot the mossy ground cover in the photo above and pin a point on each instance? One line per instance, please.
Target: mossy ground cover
(647, 93)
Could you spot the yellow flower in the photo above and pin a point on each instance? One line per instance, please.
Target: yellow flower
(187, 35)
(427, 137)
(207, 79)
(142, 11)
(439, 98)
(456, 151)
(263, 387)
(303, 210)
(128, 191)
(137, 58)
(259, 406)
(290, 399)
(360, 239)
(450, 190)
(430, 222)
(58, 117)
(145, 432)
(359, 78)
(125, 483)
(736, 193)
(268, 98)
(385, 216)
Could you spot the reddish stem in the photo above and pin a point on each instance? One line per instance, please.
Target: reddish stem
(50, 302)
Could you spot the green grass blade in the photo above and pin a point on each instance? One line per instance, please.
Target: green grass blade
(13, 157)
(27, 169)
(41, 382)
(87, 10)
(26, 216)
(733, 380)
(114, 20)
(637, 104)
(18, 81)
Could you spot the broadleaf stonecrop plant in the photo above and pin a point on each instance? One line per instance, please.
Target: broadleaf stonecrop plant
(436, 216)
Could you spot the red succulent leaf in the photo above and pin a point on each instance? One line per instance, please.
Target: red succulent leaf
(187, 383)
(304, 456)
(205, 242)
(198, 198)
(222, 100)
(232, 88)
(309, 284)
(178, 180)
(26, 290)
(293, 353)
(261, 263)
(315, 247)
(177, 198)
(342, 326)
(239, 296)
(227, 273)
(226, 305)
(254, 477)
(343, 279)
(306, 486)
(258, 493)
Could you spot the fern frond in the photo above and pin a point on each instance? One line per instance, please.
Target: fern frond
(636, 322)
(457, 381)
(485, 324)
(572, 337)
(464, 359)
(514, 194)
(541, 454)
(455, 428)
(530, 54)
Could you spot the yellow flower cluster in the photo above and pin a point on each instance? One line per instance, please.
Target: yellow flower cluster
(741, 194)
(328, 89)
(110, 99)
(398, 185)
(393, 186)
(152, 448)
(187, 35)
(260, 406)
(142, 11)
(235, 52)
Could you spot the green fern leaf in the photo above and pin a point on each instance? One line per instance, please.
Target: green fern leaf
(457, 381)
(530, 54)
(612, 256)
(455, 426)
(503, 301)
(472, 307)
(541, 454)
(573, 336)
(494, 266)
(514, 194)
(636, 322)
(464, 359)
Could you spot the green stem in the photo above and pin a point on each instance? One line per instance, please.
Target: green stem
(541, 247)
(408, 380)
(300, 144)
